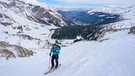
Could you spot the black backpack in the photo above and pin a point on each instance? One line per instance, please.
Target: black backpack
(58, 47)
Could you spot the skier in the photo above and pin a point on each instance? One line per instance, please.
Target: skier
(55, 51)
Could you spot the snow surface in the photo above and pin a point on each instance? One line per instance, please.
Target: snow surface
(113, 57)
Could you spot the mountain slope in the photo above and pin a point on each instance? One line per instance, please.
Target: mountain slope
(27, 22)
(109, 58)
(28, 10)
(84, 18)
(112, 57)
(21, 24)
(127, 14)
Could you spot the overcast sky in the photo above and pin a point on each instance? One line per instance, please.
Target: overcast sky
(86, 3)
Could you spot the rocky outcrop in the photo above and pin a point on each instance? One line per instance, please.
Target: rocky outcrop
(7, 50)
(23, 52)
(7, 53)
(132, 30)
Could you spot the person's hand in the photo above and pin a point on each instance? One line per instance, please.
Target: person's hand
(50, 54)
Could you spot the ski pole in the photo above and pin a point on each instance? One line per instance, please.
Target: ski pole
(49, 61)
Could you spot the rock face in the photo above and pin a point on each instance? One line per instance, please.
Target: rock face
(132, 30)
(8, 51)
(37, 13)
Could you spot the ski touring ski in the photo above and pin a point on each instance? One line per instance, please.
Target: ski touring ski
(51, 70)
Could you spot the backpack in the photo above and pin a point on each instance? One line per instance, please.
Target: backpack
(58, 47)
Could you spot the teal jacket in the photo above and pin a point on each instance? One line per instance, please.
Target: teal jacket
(55, 51)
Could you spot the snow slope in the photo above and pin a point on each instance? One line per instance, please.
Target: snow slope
(113, 57)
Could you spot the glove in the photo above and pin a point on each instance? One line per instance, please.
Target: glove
(50, 54)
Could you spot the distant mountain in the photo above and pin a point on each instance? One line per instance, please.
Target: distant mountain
(126, 13)
(111, 17)
(33, 11)
(60, 8)
(84, 18)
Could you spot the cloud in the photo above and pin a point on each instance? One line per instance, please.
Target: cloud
(117, 2)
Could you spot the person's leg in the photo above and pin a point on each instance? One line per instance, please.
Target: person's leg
(52, 61)
(56, 60)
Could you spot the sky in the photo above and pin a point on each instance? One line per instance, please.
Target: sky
(87, 3)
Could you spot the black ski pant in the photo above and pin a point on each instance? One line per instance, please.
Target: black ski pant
(55, 57)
